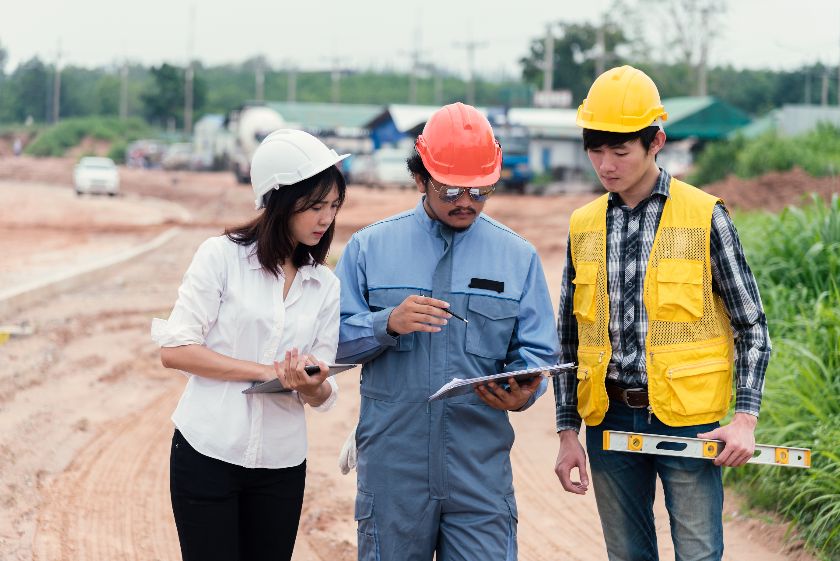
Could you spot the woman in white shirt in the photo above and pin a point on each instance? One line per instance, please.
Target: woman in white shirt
(255, 304)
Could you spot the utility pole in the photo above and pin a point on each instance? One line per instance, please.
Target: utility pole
(807, 72)
(124, 91)
(291, 82)
(335, 79)
(188, 85)
(259, 79)
(824, 90)
(601, 47)
(470, 47)
(415, 67)
(56, 107)
(548, 60)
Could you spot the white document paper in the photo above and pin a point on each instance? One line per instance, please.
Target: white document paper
(457, 386)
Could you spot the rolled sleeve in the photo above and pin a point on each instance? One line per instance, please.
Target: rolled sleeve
(329, 403)
(199, 299)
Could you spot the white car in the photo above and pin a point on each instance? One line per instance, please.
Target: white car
(96, 175)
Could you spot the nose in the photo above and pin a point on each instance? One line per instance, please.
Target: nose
(607, 163)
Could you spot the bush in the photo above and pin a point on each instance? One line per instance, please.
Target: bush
(56, 140)
(817, 152)
(796, 260)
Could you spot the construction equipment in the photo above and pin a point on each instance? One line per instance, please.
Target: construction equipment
(246, 127)
(640, 443)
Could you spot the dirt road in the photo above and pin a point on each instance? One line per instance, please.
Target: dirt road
(85, 404)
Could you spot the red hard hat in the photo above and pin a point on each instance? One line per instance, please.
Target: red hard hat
(458, 148)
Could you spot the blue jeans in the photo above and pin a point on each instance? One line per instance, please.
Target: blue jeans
(625, 485)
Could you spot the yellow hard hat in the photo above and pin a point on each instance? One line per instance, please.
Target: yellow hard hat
(622, 99)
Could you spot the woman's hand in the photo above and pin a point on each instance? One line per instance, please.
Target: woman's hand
(293, 377)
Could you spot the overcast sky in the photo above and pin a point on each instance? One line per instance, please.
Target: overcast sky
(374, 33)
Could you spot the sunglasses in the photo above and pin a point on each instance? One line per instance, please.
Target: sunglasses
(451, 194)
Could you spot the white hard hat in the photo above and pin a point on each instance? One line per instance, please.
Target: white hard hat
(287, 156)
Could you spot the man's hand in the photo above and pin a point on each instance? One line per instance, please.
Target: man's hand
(739, 439)
(498, 398)
(418, 313)
(570, 456)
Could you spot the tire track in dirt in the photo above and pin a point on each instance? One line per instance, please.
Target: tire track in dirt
(112, 501)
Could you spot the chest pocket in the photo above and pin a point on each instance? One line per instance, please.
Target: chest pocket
(679, 290)
(382, 298)
(492, 321)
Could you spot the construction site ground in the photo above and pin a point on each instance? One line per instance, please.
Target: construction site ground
(85, 404)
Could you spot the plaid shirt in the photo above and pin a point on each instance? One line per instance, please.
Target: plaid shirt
(630, 235)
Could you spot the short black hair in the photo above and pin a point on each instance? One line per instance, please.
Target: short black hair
(417, 168)
(270, 230)
(595, 139)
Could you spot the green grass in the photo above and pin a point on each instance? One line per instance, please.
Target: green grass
(817, 152)
(796, 258)
(56, 140)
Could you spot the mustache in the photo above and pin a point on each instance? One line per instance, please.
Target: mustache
(465, 210)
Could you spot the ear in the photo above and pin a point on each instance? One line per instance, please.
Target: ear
(658, 142)
(419, 182)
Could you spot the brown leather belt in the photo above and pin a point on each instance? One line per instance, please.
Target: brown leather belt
(636, 398)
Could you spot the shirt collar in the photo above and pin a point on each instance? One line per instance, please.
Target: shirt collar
(662, 187)
(250, 254)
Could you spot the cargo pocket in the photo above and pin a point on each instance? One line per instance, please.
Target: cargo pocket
(679, 293)
(490, 327)
(366, 533)
(585, 281)
(702, 387)
(512, 549)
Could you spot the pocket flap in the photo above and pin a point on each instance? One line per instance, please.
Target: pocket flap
(582, 373)
(493, 308)
(697, 369)
(586, 272)
(684, 271)
(364, 505)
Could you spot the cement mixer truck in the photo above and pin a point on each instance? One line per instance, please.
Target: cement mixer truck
(246, 127)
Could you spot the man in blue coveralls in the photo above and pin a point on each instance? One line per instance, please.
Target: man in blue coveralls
(435, 478)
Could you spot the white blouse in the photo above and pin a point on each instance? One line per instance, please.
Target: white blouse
(229, 304)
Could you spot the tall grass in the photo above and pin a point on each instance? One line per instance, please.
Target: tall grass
(796, 258)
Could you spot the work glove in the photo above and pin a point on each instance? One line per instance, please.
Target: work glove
(347, 456)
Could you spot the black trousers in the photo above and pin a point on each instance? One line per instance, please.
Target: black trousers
(227, 512)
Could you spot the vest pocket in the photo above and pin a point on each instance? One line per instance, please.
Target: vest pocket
(585, 281)
(591, 372)
(702, 387)
(679, 290)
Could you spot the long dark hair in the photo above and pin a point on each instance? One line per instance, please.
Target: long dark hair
(270, 230)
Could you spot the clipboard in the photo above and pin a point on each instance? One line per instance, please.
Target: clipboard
(275, 386)
(458, 386)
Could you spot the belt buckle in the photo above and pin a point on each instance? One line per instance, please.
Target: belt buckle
(625, 397)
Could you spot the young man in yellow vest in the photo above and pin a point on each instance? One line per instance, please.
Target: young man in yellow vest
(657, 304)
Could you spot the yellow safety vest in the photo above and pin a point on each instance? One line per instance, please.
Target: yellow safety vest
(689, 343)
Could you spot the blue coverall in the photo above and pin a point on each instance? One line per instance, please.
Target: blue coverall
(436, 477)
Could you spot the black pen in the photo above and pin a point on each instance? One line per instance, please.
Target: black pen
(453, 314)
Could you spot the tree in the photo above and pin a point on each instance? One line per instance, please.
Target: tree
(163, 99)
(27, 89)
(576, 56)
(690, 28)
